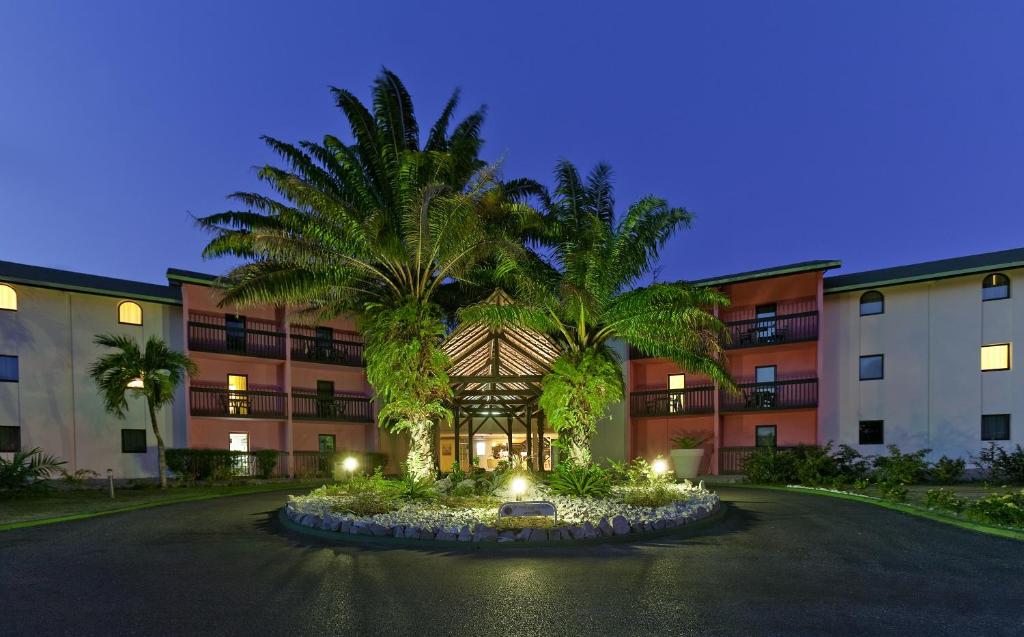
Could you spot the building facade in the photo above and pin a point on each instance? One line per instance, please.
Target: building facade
(920, 356)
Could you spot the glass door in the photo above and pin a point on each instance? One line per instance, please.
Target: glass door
(325, 405)
(234, 333)
(239, 442)
(238, 397)
(676, 385)
(764, 392)
(766, 323)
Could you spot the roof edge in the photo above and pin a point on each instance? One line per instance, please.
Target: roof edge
(920, 278)
(769, 273)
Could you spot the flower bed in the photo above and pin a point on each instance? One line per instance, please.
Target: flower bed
(476, 519)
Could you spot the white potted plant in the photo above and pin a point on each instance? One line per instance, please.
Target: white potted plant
(687, 452)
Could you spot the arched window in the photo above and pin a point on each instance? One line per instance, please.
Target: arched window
(129, 313)
(995, 287)
(872, 303)
(8, 298)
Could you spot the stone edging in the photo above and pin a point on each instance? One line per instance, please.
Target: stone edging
(487, 537)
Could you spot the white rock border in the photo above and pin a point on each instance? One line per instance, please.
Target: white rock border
(649, 521)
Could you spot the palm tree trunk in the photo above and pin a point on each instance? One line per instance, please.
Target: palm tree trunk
(578, 448)
(161, 460)
(420, 462)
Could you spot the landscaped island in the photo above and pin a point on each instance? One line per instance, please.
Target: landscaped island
(466, 509)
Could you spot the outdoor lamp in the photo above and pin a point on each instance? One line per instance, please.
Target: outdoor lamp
(136, 383)
(350, 464)
(659, 466)
(518, 487)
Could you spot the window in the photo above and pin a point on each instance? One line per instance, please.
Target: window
(234, 333)
(129, 313)
(10, 438)
(676, 385)
(9, 369)
(765, 436)
(133, 441)
(324, 343)
(995, 287)
(325, 406)
(995, 427)
(763, 395)
(995, 357)
(8, 298)
(765, 315)
(872, 367)
(238, 398)
(326, 443)
(872, 432)
(872, 303)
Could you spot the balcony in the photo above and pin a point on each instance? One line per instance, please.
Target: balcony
(310, 405)
(220, 402)
(210, 334)
(786, 328)
(672, 402)
(784, 394)
(315, 349)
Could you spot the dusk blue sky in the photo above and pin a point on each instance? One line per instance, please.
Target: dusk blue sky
(877, 133)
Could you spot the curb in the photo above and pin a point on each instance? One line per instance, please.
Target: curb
(396, 543)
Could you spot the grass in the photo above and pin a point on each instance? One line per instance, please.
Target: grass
(914, 504)
(65, 505)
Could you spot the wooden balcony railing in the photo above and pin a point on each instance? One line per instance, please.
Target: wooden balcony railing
(787, 328)
(731, 459)
(335, 352)
(784, 394)
(222, 402)
(672, 402)
(309, 405)
(211, 337)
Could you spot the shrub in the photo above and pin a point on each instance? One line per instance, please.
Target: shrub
(814, 466)
(413, 489)
(851, 466)
(79, 476)
(944, 499)
(266, 462)
(654, 495)
(893, 490)
(27, 470)
(771, 466)
(1005, 509)
(947, 470)
(636, 473)
(1001, 466)
(587, 481)
(199, 464)
(364, 495)
(901, 468)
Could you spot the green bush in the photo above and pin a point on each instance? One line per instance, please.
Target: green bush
(944, 499)
(200, 464)
(851, 466)
(1006, 509)
(901, 468)
(26, 470)
(893, 490)
(947, 470)
(636, 473)
(1002, 466)
(266, 462)
(590, 481)
(814, 466)
(365, 495)
(768, 465)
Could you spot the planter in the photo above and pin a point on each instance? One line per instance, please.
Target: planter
(686, 462)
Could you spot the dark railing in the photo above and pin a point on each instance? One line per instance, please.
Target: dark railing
(672, 402)
(343, 407)
(210, 337)
(783, 394)
(788, 328)
(222, 402)
(319, 350)
(731, 459)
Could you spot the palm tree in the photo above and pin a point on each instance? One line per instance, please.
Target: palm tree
(589, 293)
(374, 229)
(153, 373)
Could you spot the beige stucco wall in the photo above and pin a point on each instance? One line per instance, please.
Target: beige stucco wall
(55, 402)
(933, 394)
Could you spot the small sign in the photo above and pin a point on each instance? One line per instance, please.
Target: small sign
(527, 509)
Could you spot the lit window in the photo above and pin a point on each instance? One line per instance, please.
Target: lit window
(8, 298)
(676, 393)
(872, 303)
(9, 369)
(872, 367)
(129, 313)
(995, 287)
(995, 357)
(872, 432)
(995, 427)
(133, 441)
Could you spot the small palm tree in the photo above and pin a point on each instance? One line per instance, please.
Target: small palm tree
(375, 229)
(153, 373)
(588, 294)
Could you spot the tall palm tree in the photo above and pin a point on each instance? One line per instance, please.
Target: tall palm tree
(373, 229)
(153, 373)
(589, 293)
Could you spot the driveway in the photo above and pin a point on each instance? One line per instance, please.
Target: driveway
(779, 564)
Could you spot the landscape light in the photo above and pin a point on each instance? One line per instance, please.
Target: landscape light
(518, 486)
(136, 383)
(659, 466)
(350, 464)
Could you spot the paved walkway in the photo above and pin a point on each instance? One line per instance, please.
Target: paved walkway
(780, 564)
